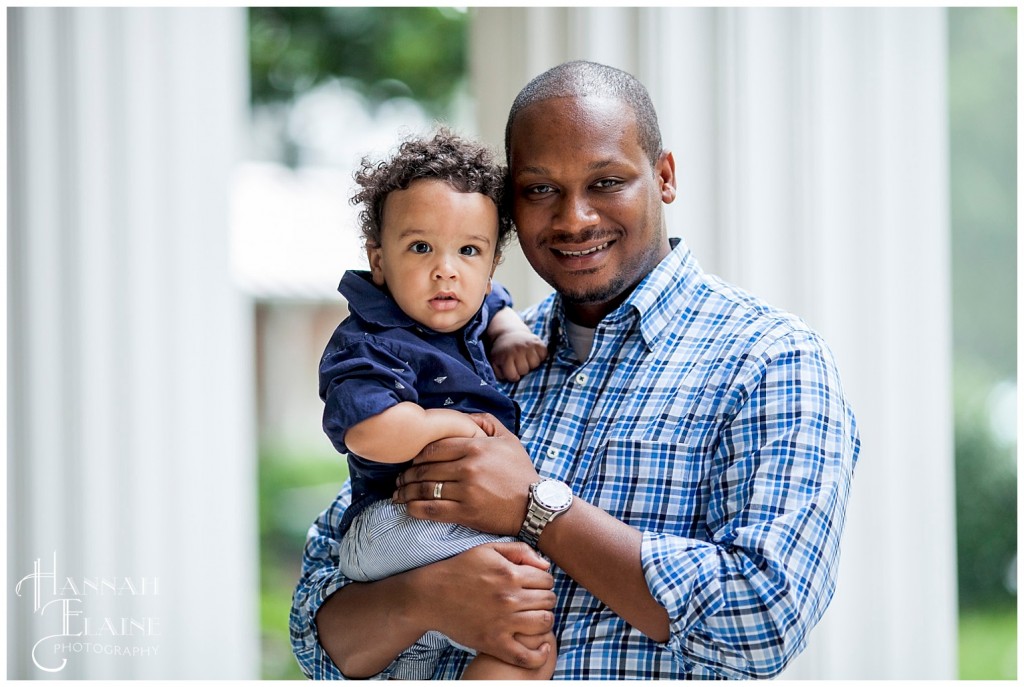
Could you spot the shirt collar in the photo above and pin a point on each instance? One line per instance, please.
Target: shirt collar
(370, 302)
(660, 297)
(374, 304)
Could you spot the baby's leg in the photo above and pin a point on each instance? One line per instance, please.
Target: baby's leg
(385, 540)
(485, 667)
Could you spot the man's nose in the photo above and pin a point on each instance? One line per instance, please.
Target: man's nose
(575, 213)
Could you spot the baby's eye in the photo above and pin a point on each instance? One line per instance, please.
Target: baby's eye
(469, 250)
(420, 247)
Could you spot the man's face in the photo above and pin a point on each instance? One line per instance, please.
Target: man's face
(587, 202)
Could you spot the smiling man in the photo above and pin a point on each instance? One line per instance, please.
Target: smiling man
(685, 457)
(588, 200)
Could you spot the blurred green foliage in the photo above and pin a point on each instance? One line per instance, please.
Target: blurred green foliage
(983, 161)
(988, 644)
(293, 490)
(417, 52)
(986, 498)
(983, 184)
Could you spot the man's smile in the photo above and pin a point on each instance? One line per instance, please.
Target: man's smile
(581, 253)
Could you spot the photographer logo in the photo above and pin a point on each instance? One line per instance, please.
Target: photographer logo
(65, 602)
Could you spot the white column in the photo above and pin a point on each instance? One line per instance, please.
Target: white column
(811, 152)
(131, 449)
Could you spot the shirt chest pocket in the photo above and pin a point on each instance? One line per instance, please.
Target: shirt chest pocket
(650, 485)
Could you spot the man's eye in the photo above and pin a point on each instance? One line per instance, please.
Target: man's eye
(539, 190)
(469, 250)
(605, 184)
(420, 247)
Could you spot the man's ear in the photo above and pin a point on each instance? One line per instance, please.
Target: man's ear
(494, 266)
(376, 258)
(665, 169)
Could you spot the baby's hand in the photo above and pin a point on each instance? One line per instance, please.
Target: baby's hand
(515, 353)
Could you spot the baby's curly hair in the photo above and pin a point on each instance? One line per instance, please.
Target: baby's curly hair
(467, 166)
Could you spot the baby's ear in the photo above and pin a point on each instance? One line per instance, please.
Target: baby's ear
(376, 257)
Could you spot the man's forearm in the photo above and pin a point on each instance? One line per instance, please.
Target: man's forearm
(364, 626)
(485, 598)
(603, 555)
(592, 547)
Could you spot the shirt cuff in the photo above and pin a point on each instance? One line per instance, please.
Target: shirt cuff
(320, 579)
(683, 575)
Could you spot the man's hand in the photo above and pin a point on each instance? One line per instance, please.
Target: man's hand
(495, 598)
(492, 598)
(486, 481)
(514, 353)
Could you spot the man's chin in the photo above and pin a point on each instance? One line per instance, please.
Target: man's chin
(596, 294)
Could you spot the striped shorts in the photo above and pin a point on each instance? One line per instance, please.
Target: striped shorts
(385, 540)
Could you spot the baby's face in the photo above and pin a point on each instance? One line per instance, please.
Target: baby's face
(437, 252)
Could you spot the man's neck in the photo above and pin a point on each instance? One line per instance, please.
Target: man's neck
(589, 315)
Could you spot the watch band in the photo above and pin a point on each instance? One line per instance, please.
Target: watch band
(533, 525)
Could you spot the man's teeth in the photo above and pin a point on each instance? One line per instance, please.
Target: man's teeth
(579, 253)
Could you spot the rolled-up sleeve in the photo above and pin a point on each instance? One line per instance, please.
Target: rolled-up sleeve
(319, 579)
(743, 602)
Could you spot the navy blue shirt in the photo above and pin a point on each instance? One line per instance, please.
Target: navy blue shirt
(379, 357)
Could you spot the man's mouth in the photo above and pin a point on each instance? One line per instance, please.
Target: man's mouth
(581, 253)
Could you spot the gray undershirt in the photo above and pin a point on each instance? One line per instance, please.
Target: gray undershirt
(581, 338)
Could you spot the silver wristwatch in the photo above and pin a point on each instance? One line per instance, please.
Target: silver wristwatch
(549, 498)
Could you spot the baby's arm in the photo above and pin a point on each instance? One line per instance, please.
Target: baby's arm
(400, 432)
(514, 350)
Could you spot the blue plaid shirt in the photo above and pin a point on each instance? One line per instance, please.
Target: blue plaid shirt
(714, 424)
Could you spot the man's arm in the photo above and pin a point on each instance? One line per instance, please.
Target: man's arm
(740, 602)
(483, 598)
(744, 601)
(595, 549)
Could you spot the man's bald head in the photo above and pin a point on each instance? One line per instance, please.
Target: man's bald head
(581, 79)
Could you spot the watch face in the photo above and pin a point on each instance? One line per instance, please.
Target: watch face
(553, 495)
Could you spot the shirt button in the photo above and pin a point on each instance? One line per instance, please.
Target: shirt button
(552, 452)
(581, 378)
